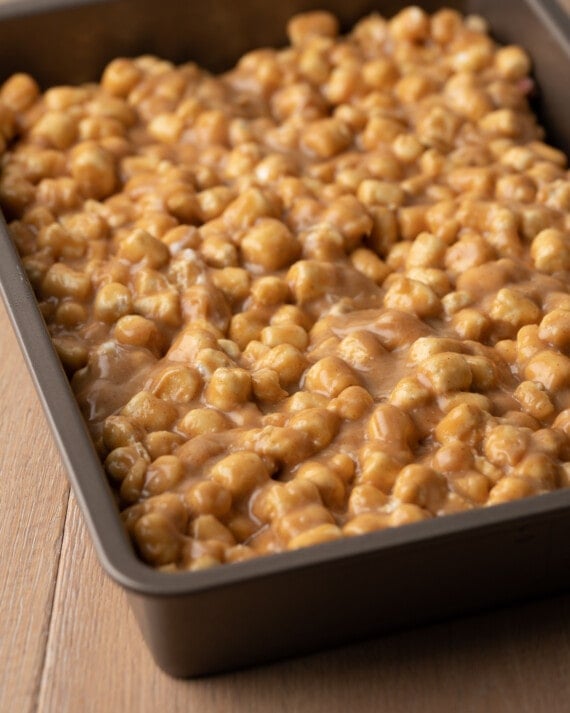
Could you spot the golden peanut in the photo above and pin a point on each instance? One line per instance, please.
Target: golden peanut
(434, 278)
(446, 372)
(239, 473)
(512, 62)
(406, 514)
(112, 302)
(157, 539)
(161, 443)
(412, 296)
(170, 505)
(534, 399)
(137, 331)
(285, 334)
(392, 426)
(19, 92)
(266, 386)
(291, 314)
(510, 488)
(203, 420)
(301, 520)
(422, 486)
(208, 497)
(276, 499)
(350, 218)
(541, 469)
(233, 282)
(179, 384)
(71, 351)
(360, 349)
(270, 245)
(208, 527)
(219, 252)
(71, 314)
(131, 488)
(502, 122)
(238, 553)
(63, 281)
(483, 372)
(141, 246)
(60, 242)
(506, 445)
(57, 128)
(463, 422)
(343, 83)
(411, 23)
(555, 328)
(330, 376)
(309, 280)
(372, 192)
(352, 403)
(471, 324)
(425, 347)
(409, 393)
(311, 24)
(366, 522)
(474, 486)
(94, 170)
(120, 77)
(380, 470)
(549, 368)
(286, 445)
(370, 265)
(319, 425)
(269, 290)
(437, 128)
(528, 342)
(326, 138)
(246, 327)
(302, 400)
(550, 250)
(207, 561)
(453, 457)
(366, 498)
(163, 474)
(330, 486)
(514, 309)
(228, 387)
(245, 210)
(151, 413)
(427, 250)
(315, 536)
(287, 361)
(119, 431)
(123, 459)
(480, 402)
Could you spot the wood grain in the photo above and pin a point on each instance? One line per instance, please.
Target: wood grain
(33, 500)
(513, 661)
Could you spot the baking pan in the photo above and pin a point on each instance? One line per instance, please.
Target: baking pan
(296, 602)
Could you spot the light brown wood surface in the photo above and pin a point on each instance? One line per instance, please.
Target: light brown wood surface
(69, 644)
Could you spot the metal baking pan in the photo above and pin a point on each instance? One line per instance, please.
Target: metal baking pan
(296, 602)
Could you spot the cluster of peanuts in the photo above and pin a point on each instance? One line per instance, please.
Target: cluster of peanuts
(320, 295)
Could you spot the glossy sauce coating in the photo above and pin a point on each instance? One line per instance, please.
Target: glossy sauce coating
(322, 294)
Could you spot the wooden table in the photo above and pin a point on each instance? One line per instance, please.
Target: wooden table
(69, 644)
